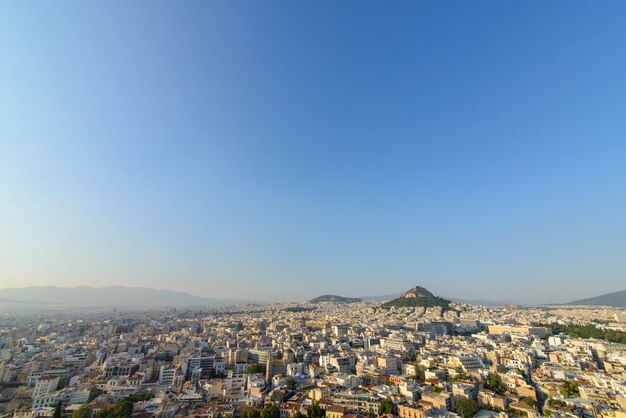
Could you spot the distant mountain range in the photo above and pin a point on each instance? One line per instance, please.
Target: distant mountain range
(110, 296)
(617, 299)
(121, 296)
(334, 299)
(418, 296)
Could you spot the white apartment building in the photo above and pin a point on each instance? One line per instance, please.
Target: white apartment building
(469, 362)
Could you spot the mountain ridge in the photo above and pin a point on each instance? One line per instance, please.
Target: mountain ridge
(334, 299)
(113, 296)
(616, 299)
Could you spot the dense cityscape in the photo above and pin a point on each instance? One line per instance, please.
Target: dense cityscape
(328, 357)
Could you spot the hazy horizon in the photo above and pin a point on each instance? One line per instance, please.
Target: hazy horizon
(283, 150)
(308, 297)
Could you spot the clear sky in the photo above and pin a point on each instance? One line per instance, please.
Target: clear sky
(278, 150)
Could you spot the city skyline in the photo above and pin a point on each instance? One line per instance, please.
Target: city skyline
(279, 151)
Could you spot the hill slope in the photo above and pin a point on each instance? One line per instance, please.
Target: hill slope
(617, 299)
(111, 296)
(334, 299)
(418, 296)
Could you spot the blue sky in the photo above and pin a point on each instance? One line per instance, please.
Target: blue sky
(279, 150)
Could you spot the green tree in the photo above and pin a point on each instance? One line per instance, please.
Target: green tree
(466, 407)
(58, 410)
(256, 368)
(587, 331)
(570, 389)
(386, 407)
(460, 377)
(290, 383)
(250, 413)
(420, 372)
(494, 383)
(315, 411)
(124, 408)
(556, 403)
(139, 397)
(530, 401)
(83, 411)
(270, 411)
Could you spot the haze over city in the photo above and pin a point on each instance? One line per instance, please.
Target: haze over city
(277, 151)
